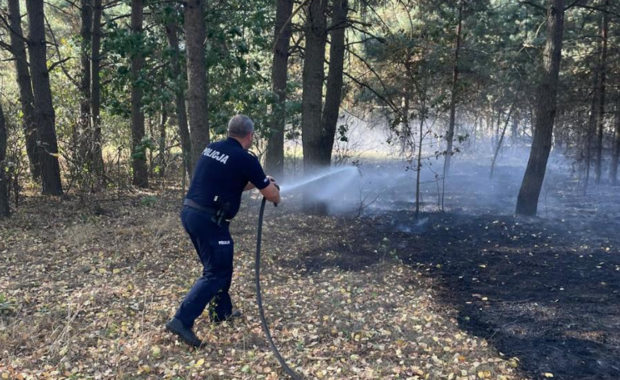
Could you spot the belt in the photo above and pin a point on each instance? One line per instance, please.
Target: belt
(208, 210)
(192, 204)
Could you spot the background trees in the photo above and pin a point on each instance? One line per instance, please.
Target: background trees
(109, 93)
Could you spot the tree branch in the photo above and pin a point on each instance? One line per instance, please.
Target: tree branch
(116, 18)
(61, 60)
(371, 69)
(57, 8)
(13, 31)
(598, 9)
(381, 97)
(572, 5)
(53, 65)
(533, 4)
(73, 4)
(6, 47)
(380, 39)
(360, 41)
(290, 19)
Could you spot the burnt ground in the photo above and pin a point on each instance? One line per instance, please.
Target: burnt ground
(544, 290)
(534, 291)
(531, 288)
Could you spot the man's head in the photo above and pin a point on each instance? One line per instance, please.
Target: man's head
(241, 128)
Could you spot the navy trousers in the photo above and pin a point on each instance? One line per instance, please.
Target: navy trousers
(215, 248)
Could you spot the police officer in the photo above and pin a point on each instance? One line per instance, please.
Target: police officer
(223, 172)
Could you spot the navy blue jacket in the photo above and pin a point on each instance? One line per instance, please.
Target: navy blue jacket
(221, 174)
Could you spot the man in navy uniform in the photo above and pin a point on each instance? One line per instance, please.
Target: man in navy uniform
(224, 171)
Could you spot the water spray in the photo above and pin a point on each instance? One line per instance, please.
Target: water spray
(349, 171)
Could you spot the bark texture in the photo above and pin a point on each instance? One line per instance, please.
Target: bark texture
(46, 129)
(274, 161)
(527, 201)
(197, 93)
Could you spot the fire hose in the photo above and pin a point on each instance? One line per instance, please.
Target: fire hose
(259, 299)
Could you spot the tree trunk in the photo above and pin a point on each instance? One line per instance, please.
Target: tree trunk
(418, 174)
(46, 131)
(592, 123)
(313, 76)
(274, 161)
(527, 201)
(86, 34)
(162, 141)
(501, 137)
(95, 96)
(514, 135)
(333, 95)
(613, 175)
(172, 32)
(151, 161)
(26, 97)
(455, 79)
(4, 186)
(312, 97)
(601, 110)
(195, 34)
(138, 158)
(497, 126)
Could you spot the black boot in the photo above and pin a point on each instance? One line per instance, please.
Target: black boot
(175, 326)
(236, 314)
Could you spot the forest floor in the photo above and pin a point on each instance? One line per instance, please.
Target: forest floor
(85, 291)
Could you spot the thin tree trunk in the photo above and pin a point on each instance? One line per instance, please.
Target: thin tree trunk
(197, 94)
(419, 166)
(591, 127)
(333, 96)
(601, 110)
(172, 32)
(86, 34)
(274, 161)
(138, 159)
(501, 137)
(455, 79)
(4, 186)
(558, 132)
(527, 201)
(95, 96)
(26, 97)
(46, 131)
(497, 125)
(474, 133)
(613, 175)
(162, 141)
(514, 130)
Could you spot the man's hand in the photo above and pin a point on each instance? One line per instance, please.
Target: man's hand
(272, 191)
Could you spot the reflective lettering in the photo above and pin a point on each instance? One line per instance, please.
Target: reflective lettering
(214, 154)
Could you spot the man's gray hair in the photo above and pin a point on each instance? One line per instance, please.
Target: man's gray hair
(240, 126)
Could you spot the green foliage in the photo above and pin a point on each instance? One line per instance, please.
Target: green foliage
(148, 201)
(6, 306)
(145, 144)
(238, 56)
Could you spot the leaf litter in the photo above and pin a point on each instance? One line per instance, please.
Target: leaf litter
(86, 296)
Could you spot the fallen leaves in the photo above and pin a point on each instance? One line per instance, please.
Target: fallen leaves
(97, 300)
